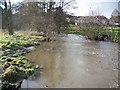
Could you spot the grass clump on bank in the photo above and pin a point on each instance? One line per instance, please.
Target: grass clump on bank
(93, 31)
(16, 67)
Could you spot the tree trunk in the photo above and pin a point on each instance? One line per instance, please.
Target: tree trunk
(8, 18)
(10, 22)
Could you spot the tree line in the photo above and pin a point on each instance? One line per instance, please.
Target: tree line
(45, 16)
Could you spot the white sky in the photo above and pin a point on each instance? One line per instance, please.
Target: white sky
(104, 6)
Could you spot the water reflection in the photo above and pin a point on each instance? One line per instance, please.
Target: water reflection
(74, 62)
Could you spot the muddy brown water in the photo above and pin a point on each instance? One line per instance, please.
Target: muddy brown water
(74, 62)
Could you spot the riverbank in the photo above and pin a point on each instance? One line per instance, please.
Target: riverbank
(16, 67)
(103, 34)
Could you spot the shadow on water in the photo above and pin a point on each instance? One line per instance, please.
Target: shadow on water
(74, 62)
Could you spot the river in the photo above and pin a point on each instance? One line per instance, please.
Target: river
(74, 62)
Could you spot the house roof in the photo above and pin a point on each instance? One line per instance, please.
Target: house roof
(93, 19)
(115, 12)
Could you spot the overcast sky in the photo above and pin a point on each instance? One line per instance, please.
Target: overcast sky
(84, 6)
(104, 6)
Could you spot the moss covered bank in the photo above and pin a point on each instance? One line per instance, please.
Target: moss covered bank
(15, 66)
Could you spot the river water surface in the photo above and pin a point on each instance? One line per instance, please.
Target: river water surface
(74, 62)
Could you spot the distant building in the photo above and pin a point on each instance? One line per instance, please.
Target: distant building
(98, 20)
(115, 13)
(72, 19)
(115, 18)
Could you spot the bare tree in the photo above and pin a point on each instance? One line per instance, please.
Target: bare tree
(10, 22)
(7, 17)
(93, 23)
(46, 16)
(95, 12)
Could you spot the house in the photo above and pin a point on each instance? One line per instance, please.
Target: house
(98, 20)
(72, 19)
(115, 18)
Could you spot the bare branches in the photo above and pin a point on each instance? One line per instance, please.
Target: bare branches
(68, 3)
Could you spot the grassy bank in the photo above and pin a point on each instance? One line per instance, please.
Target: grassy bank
(16, 66)
(92, 32)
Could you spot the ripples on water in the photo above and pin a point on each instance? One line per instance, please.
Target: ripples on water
(74, 62)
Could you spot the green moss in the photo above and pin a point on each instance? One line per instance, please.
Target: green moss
(16, 65)
(13, 74)
(17, 41)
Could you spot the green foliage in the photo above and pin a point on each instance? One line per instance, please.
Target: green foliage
(16, 69)
(17, 41)
(93, 31)
(114, 32)
(16, 65)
